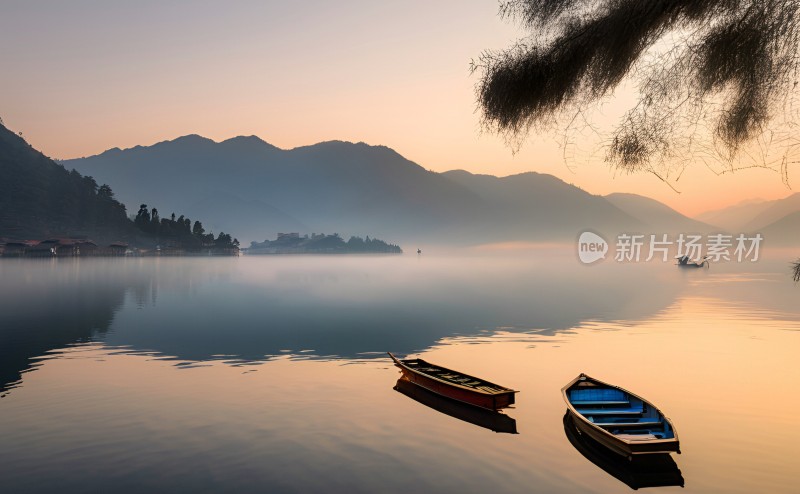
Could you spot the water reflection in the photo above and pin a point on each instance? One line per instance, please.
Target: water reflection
(49, 306)
(657, 470)
(252, 310)
(494, 421)
(219, 375)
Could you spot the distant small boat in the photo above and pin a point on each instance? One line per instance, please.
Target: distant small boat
(488, 419)
(456, 385)
(656, 470)
(618, 419)
(685, 262)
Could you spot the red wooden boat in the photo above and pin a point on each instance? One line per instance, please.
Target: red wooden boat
(489, 419)
(456, 385)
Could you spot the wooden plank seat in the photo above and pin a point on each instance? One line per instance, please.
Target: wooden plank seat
(637, 437)
(576, 396)
(597, 403)
(610, 411)
(606, 420)
(625, 425)
(488, 389)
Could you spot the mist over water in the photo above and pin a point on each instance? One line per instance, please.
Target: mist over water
(269, 373)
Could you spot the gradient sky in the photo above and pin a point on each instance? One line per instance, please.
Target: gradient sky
(83, 76)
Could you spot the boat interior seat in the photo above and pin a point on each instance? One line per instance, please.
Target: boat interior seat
(621, 403)
(624, 425)
(611, 411)
(605, 419)
(637, 437)
(597, 395)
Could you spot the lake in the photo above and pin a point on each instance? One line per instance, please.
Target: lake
(269, 374)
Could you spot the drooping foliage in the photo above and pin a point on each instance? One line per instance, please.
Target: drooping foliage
(715, 77)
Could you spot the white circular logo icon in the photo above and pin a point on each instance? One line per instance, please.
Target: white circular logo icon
(591, 247)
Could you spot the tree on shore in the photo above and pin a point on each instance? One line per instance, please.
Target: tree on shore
(180, 232)
(142, 220)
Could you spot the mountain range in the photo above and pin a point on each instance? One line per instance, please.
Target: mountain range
(657, 214)
(735, 217)
(778, 221)
(254, 190)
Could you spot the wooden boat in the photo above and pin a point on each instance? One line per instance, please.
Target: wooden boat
(488, 419)
(618, 419)
(456, 385)
(656, 470)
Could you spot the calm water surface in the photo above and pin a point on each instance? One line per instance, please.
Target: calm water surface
(268, 374)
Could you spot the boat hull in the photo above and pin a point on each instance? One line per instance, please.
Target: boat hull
(629, 445)
(656, 470)
(492, 420)
(619, 446)
(490, 402)
(491, 397)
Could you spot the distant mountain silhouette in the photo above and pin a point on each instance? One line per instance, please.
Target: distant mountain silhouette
(774, 211)
(40, 199)
(659, 217)
(541, 207)
(784, 232)
(247, 186)
(734, 218)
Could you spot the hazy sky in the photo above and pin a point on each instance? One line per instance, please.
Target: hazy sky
(83, 76)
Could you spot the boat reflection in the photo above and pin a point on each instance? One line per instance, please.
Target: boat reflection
(495, 421)
(656, 470)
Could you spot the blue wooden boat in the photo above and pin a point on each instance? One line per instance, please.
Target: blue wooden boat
(657, 470)
(618, 419)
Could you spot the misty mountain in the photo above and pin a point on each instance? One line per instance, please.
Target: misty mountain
(41, 199)
(659, 217)
(734, 218)
(773, 212)
(784, 232)
(541, 207)
(253, 190)
(247, 186)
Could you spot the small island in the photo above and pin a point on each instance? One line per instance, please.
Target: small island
(294, 243)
